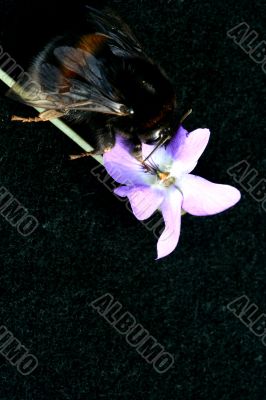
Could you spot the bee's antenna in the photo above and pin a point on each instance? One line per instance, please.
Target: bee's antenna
(185, 116)
(160, 143)
(165, 138)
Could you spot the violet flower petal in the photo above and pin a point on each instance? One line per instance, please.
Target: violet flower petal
(177, 140)
(122, 191)
(144, 200)
(202, 197)
(123, 167)
(171, 210)
(186, 148)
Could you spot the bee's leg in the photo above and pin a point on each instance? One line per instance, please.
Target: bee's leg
(89, 153)
(105, 141)
(82, 155)
(43, 117)
(136, 151)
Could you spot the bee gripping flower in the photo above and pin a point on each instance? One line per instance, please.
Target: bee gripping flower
(164, 182)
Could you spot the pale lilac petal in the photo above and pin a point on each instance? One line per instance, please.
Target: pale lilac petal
(122, 191)
(202, 197)
(186, 149)
(171, 210)
(144, 200)
(177, 141)
(123, 167)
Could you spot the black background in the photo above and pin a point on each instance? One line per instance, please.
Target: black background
(89, 244)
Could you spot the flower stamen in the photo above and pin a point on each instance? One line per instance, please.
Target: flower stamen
(163, 175)
(166, 179)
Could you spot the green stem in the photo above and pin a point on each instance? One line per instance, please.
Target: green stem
(4, 77)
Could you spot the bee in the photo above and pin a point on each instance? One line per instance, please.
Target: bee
(103, 77)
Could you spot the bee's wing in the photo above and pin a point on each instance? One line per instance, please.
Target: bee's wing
(77, 80)
(123, 42)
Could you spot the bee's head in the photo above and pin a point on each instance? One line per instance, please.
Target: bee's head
(161, 136)
(155, 136)
(158, 138)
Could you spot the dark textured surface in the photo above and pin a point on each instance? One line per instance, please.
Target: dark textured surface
(89, 244)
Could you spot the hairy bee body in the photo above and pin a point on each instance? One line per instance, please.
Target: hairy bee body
(103, 77)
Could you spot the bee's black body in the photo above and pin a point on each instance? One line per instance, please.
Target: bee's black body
(102, 76)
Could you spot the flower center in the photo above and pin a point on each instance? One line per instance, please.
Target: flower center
(165, 178)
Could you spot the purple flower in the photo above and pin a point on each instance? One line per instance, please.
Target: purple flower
(164, 182)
